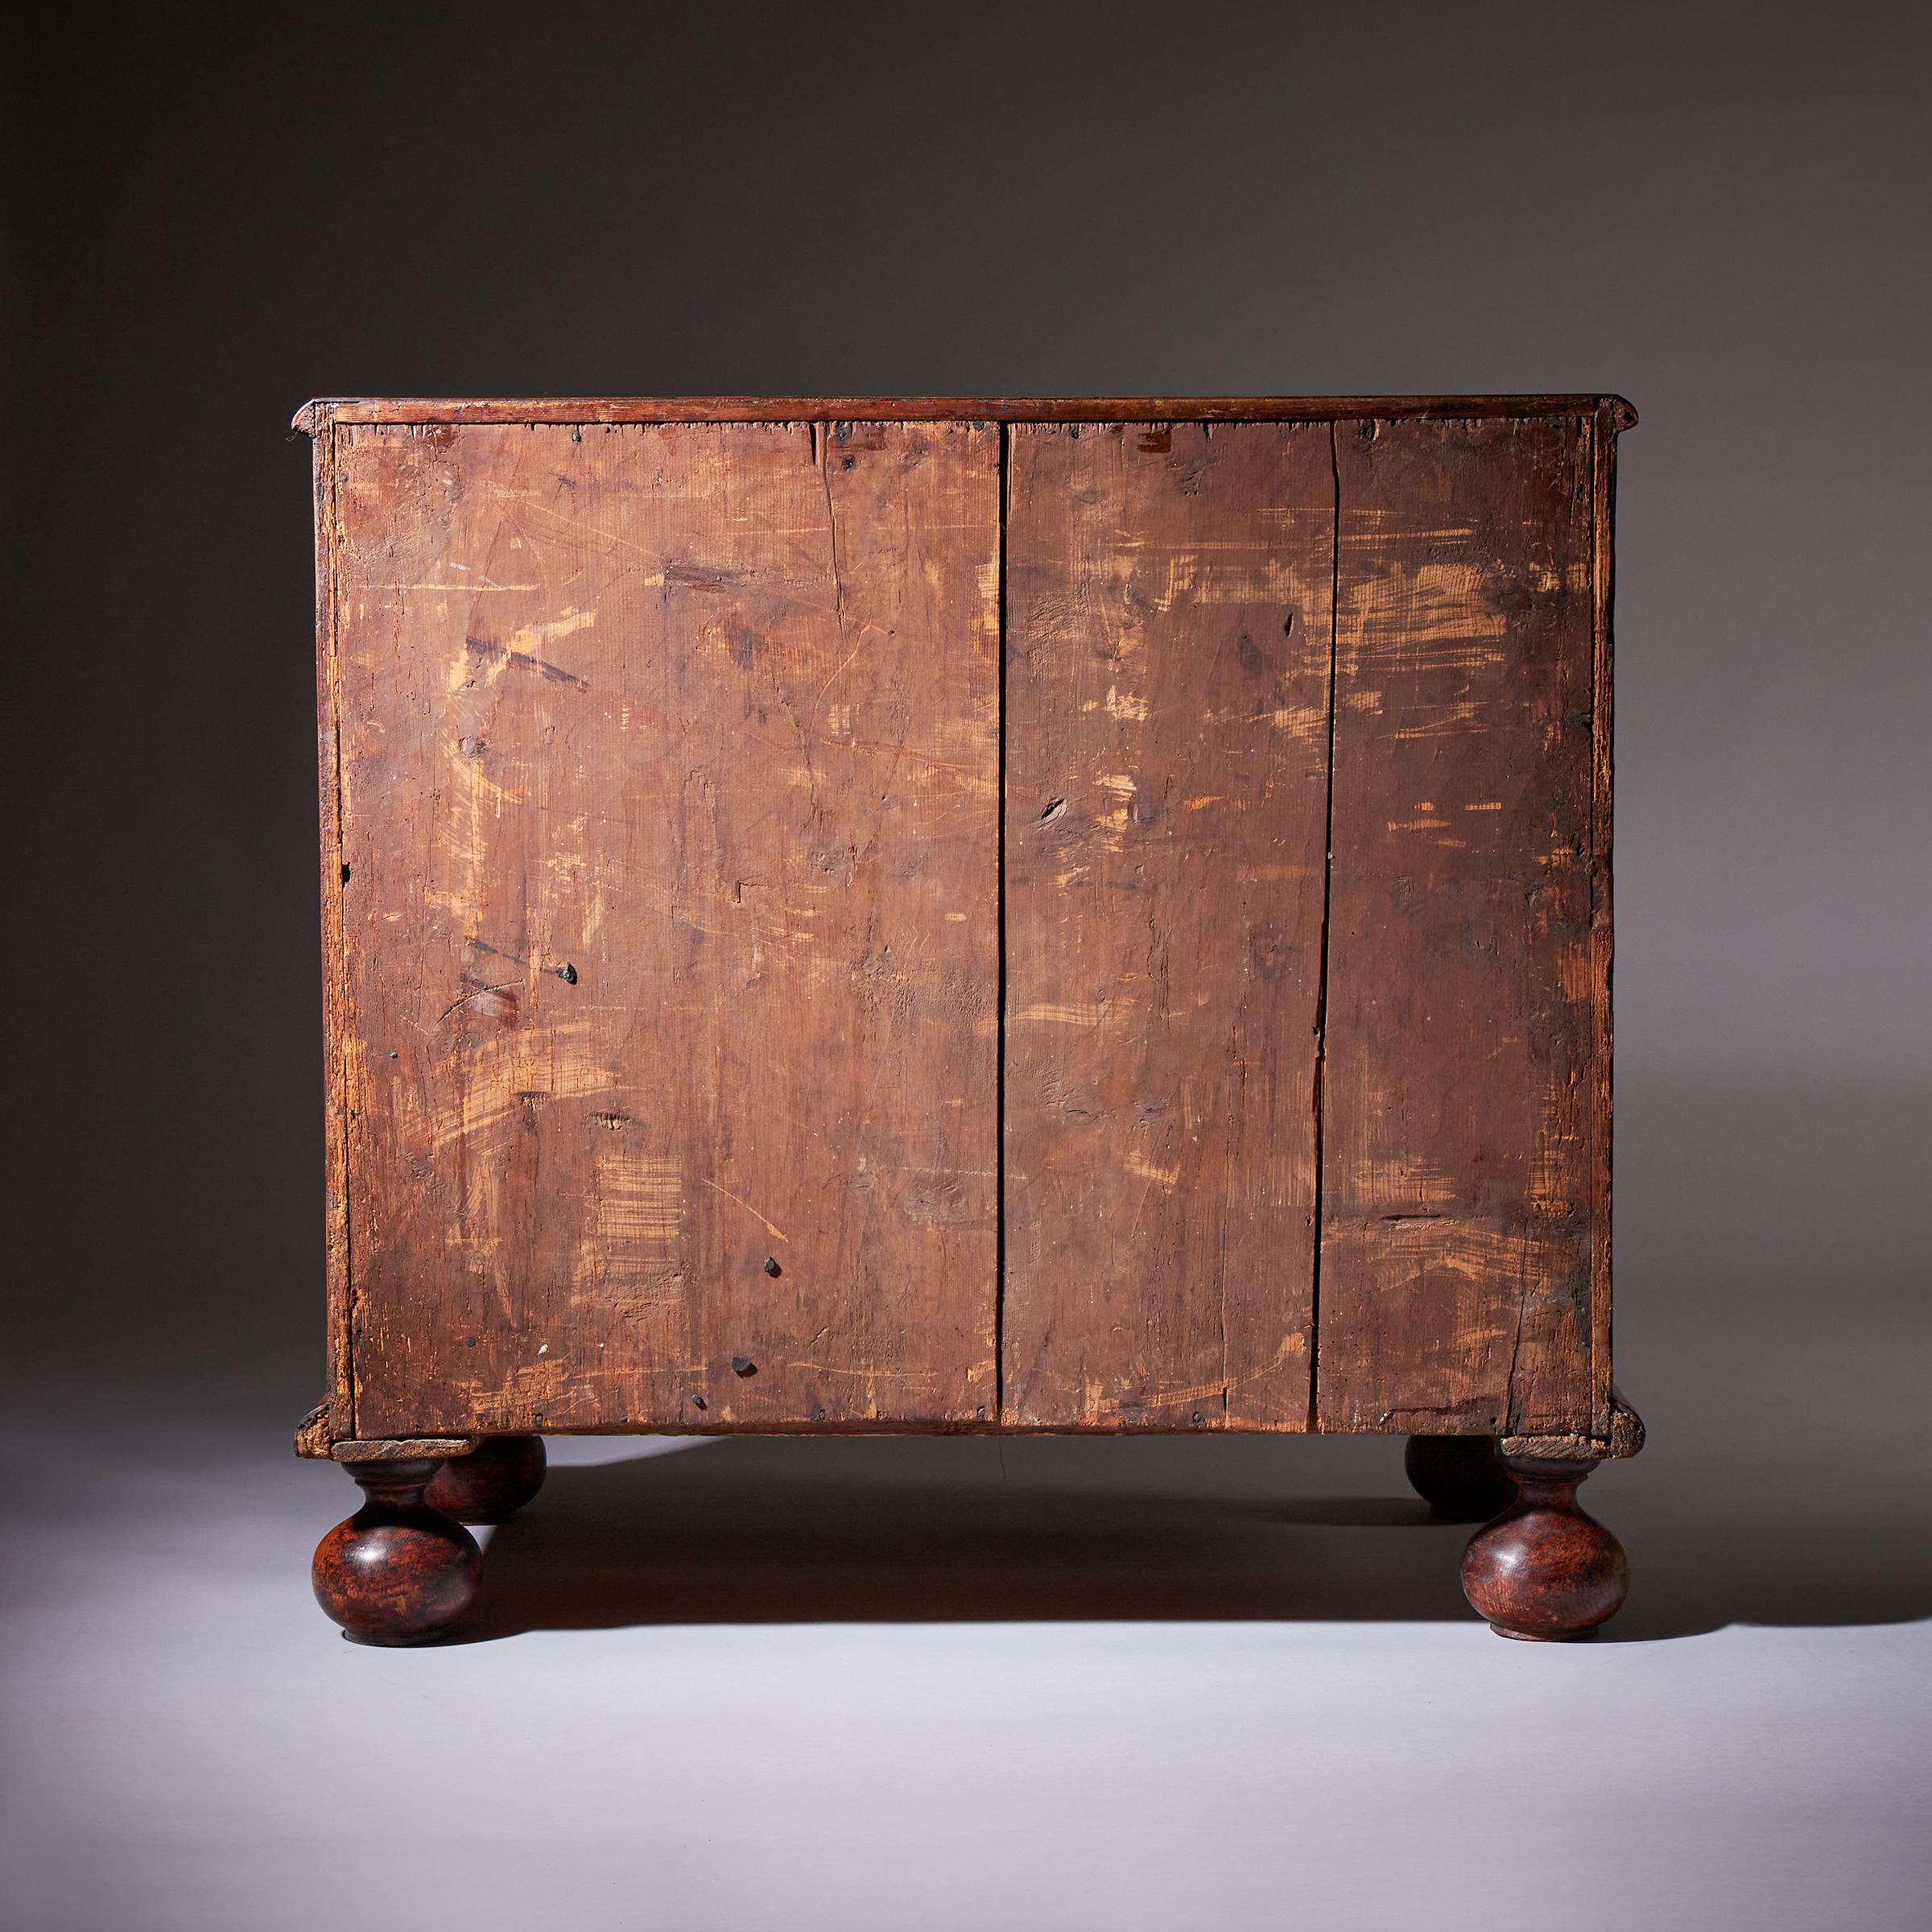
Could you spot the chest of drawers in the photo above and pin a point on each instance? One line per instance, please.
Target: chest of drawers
(854, 915)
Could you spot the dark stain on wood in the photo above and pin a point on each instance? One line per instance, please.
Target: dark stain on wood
(772, 874)
(737, 1021)
(1166, 783)
(1457, 1131)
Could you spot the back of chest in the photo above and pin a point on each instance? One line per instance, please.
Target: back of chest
(977, 917)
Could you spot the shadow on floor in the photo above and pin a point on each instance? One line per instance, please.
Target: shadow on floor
(918, 1530)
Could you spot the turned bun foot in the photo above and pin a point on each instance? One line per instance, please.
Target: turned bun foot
(1460, 1477)
(398, 1572)
(1543, 1570)
(492, 1483)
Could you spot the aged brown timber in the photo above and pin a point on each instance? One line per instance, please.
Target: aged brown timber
(1168, 609)
(872, 914)
(1457, 1132)
(669, 914)
(336, 1418)
(1610, 417)
(586, 410)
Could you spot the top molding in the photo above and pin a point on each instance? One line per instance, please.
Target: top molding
(329, 409)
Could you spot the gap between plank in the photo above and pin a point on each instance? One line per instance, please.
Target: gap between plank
(999, 1088)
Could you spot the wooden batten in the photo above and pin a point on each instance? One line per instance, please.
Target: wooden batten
(313, 417)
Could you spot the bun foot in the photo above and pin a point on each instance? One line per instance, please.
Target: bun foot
(398, 1572)
(492, 1483)
(1460, 1477)
(1543, 1570)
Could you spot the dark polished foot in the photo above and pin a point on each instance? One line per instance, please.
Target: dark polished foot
(1543, 1569)
(398, 1572)
(492, 1483)
(1460, 1477)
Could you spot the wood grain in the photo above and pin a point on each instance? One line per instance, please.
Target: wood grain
(398, 1571)
(664, 936)
(338, 1418)
(1168, 606)
(1455, 1292)
(588, 409)
(1605, 1407)
(1545, 1569)
(669, 915)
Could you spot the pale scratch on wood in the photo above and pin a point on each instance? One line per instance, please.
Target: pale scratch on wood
(640, 1209)
(776, 1233)
(867, 1375)
(1063, 1013)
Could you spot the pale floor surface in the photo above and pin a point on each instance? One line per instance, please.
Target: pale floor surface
(940, 1684)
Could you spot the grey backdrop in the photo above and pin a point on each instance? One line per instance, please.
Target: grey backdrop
(1719, 211)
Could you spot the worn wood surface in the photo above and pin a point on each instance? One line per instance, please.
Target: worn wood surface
(337, 1418)
(1168, 595)
(1458, 1199)
(1607, 1412)
(1623, 1437)
(391, 1449)
(586, 410)
(674, 1004)
(669, 905)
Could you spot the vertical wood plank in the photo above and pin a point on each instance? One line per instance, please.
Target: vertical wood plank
(1602, 444)
(669, 789)
(1455, 1288)
(340, 1400)
(1168, 604)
